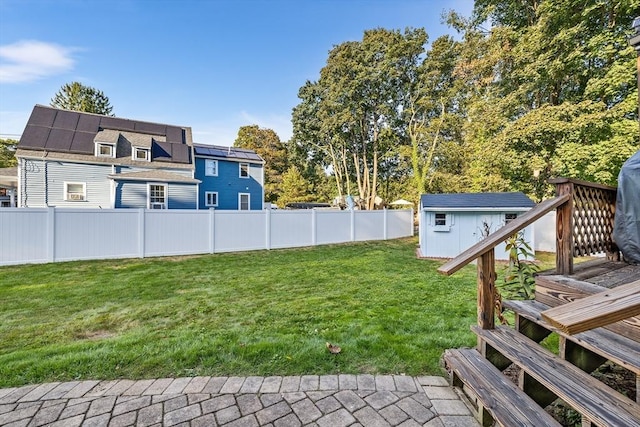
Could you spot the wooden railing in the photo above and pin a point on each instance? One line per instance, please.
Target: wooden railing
(584, 226)
(484, 252)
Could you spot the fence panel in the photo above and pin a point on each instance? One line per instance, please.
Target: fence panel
(290, 229)
(369, 225)
(399, 223)
(23, 236)
(31, 235)
(333, 227)
(176, 232)
(239, 231)
(94, 234)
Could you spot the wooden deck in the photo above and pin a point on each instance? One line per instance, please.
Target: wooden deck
(591, 336)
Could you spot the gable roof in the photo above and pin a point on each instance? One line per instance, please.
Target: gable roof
(227, 153)
(74, 132)
(470, 201)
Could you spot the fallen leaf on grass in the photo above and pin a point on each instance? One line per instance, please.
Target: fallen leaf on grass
(333, 349)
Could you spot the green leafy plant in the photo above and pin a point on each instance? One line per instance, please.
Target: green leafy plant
(519, 280)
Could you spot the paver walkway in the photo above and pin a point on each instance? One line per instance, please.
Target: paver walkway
(307, 400)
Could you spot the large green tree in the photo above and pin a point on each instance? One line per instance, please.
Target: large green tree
(267, 144)
(7, 153)
(553, 91)
(352, 115)
(78, 97)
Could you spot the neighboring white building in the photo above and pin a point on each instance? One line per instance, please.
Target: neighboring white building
(451, 223)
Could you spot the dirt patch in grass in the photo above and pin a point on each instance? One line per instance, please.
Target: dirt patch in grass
(95, 335)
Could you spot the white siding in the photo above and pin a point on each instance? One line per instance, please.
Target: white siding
(465, 230)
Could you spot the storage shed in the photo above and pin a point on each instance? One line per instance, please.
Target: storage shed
(451, 223)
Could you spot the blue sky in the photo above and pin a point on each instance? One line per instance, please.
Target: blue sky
(212, 65)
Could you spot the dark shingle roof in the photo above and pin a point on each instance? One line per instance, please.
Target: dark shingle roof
(477, 200)
(75, 132)
(235, 153)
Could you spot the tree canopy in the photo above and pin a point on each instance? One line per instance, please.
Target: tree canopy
(533, 89)
(267, 144)
(78, 97)
(7, 153)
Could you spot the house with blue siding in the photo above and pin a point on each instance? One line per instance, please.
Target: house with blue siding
(451, 223)
(74, 159)
(230, 178)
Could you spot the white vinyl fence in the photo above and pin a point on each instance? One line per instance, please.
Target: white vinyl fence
(31, 235)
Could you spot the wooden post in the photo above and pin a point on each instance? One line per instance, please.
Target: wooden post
(564, 230)
(486, 289)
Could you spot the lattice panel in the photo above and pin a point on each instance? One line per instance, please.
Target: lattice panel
(593, 213)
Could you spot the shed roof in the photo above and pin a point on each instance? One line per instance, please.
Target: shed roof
(476, 200)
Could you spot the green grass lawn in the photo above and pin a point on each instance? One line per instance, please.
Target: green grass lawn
(254, 313)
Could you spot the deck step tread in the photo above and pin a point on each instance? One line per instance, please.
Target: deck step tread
(501, 398)
(614, 347)
(593, 311)
(597, 402)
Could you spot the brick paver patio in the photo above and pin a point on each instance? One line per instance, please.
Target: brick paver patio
(308, 400)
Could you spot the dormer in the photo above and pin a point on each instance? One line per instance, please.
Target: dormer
(141, 154)
(106, 142)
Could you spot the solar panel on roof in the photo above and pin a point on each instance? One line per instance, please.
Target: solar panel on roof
(88, 123)
(175, 134)
(180, 153)
(82, 143)
(59, 140)
(41, 116)
(66, 120)
(154, 128)
(161, 150)
(107, 122)
(34, 137)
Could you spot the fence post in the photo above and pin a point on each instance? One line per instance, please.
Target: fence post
(51, 234)
(141, 233)
(212, 230)
(564, 230)
(385, 225)
(267, 242)
(411, 227)
(314, 228)
(353, 225)
(486, 289)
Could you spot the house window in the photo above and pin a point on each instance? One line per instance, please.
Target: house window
(211, 167)
(211, 198)
(75, 191)
(244, 201)
(441, 219)
(105, 150)
(244, 170)
(508, 217)
(157, 196)
(141, 154)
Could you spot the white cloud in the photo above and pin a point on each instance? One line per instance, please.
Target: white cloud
(29, 60)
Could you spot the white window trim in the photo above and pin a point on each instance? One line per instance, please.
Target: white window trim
(240, 201)
(105, 144)
(240, 171)
(166, 194)
(65, 188)
(147, 157)
(206, 169)
(206, 198)
(448, 221)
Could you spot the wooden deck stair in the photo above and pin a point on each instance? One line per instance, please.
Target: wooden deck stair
(584, 213)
